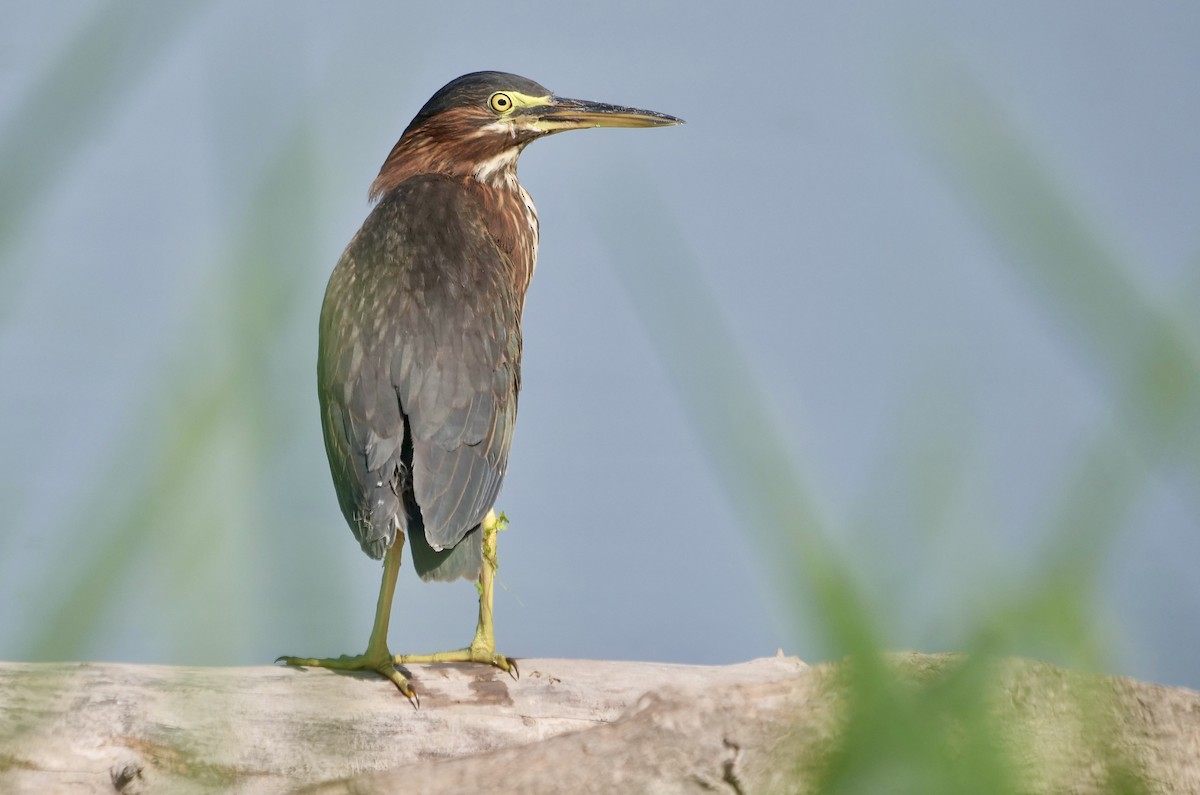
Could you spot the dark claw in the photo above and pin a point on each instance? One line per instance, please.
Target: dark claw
(513, 671)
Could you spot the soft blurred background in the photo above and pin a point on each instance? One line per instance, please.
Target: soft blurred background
(898, 336)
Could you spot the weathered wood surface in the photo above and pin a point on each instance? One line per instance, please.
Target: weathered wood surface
(78, 728)
(566, 726)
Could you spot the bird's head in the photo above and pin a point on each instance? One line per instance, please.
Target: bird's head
(478, 124)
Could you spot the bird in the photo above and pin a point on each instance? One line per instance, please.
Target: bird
(419, 351)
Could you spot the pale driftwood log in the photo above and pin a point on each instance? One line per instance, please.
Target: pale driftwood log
(567, 726)
(78, 728)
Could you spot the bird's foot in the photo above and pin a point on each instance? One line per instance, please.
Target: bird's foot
(474, 654)
(381, 661)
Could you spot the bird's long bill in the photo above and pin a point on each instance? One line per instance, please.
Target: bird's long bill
(578, 114)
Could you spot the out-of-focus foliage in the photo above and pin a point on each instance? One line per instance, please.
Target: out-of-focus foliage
(944, 738)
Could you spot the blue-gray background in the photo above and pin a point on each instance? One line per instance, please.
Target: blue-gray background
(177, 181)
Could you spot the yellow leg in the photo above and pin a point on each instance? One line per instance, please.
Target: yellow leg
(377, 657)
(483, 647)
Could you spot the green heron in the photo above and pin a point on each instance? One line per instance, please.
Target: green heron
(419, 360)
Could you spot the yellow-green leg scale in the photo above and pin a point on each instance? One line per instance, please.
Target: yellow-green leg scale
(483, 647)
(377, 657)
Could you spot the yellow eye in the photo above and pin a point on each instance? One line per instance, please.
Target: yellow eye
(500, 102)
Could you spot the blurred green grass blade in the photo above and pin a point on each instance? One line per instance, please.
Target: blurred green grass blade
(1145, 347)
(178, 429)
(1053, 616)
(1149, 350)
(940, 737)
(926, 733)
(39, 145)
(86, 585)
(732, 416)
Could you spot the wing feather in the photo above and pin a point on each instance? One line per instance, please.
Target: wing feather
(419, 367)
